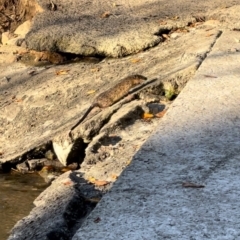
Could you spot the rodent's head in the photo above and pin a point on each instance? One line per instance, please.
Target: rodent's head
(139, 79)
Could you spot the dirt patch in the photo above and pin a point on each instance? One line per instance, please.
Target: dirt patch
(15, 12)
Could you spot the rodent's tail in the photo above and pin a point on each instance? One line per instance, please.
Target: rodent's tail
(83, 117)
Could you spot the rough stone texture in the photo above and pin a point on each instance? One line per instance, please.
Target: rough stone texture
(8, 56)
(113, 148)
(14, 13)
(104, 37)
(197, 141)
(80, 26)
(18, 37)
(228, 17)
(181, 138)
(68, 151)
(63, 146)
(36, 107)
(5, 38)
(22, 167)
(23, 29)
(58, 210)
(15, 41)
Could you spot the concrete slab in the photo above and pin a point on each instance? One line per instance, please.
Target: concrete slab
(198, 141)
(112, 29)
(36, 108)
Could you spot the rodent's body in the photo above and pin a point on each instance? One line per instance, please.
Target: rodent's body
(117, 92)
(113, 94)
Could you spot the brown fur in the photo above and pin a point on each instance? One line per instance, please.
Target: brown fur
(118, 91)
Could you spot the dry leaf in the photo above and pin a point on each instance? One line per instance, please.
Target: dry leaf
(91, 92)
(135, 60)
(65, 169)
(161, 22)
(95, 69)
(68, 183)
(128, 162)
(93, 200)
(62, 72)
(98, 219)
(147, 115)
(52, 6)
(101, 183)
(209, 29)
(97, 182)
(175, 18)
(32, 72)
(106, 15)
(209, 76)
(92, 180)
(22, 51)
(165, 36)
(182, 30)
(48, 168)
(136, 147)
(192, 185)
(72, 166)
(209, 34)
(148, 120)
(160, 114)
(199, 18)
(114, 176)
(195, 24)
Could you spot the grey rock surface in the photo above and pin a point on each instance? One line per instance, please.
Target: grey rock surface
(227, 16)
(198, 141)
(113, 29)
(37, 108)
(179, 66)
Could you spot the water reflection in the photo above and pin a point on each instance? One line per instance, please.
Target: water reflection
(17, 193)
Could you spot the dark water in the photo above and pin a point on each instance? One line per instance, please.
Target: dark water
(17, 193)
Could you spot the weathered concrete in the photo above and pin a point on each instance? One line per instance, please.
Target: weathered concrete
(202, 128)
(228, 17)
(42, 93)
(37, 107)
(111, 29)
(180, 65)
(197, 141)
